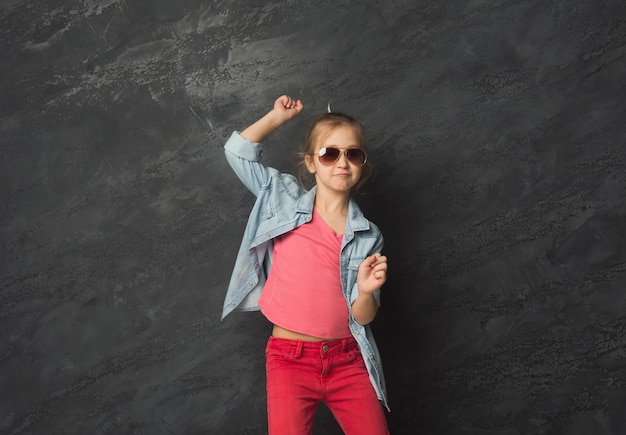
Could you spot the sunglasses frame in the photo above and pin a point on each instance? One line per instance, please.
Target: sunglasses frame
(346, 152)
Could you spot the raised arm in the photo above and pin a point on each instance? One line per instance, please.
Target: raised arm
(285, 108)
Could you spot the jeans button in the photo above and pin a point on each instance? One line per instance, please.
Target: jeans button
(325, 348)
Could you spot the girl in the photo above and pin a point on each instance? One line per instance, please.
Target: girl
(324, 270)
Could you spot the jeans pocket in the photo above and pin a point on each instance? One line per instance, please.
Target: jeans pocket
(351, 355)
(274, 359)
(277, 355)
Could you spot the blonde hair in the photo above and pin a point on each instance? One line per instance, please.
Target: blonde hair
(319, 129)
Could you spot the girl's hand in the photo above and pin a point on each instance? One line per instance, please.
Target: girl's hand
(372, 274)
(287, 108)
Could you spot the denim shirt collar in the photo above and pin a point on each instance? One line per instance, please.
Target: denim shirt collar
(356, 219)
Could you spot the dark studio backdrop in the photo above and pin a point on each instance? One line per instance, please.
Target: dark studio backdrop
(498, 130)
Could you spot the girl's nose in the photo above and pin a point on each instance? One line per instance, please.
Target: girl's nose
(343, 160)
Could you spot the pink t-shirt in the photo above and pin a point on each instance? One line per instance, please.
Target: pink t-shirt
(303, 291)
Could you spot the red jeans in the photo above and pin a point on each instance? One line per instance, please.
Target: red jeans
(302, 374)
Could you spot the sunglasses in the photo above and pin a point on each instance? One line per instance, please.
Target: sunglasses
(330, 155)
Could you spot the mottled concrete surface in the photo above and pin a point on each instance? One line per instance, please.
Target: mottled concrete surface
(498, 129)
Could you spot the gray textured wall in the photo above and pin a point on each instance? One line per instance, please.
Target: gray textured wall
(498, 129)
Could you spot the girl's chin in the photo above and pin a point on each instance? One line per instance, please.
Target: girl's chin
(344, 186)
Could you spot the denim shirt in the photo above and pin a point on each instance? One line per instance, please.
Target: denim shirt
(281, 205)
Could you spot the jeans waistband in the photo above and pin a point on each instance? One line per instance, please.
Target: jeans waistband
(297, 348)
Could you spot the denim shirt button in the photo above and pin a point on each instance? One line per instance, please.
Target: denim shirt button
(268, 235)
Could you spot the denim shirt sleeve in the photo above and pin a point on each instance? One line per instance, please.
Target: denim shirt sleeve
(244, 158)
(377, 247)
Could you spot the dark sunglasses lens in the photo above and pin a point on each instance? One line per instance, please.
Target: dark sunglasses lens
(356, 156)
(330, 156)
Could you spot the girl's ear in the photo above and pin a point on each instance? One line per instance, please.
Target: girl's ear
(310, 165)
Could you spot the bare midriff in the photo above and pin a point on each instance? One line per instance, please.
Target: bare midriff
(279, 332)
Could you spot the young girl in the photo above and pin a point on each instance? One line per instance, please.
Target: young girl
(324, 270)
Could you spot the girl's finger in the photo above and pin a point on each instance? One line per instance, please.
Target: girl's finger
(380, 260)
(380, 267)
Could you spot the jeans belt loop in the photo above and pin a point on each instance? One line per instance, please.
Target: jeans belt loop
(298, 349)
